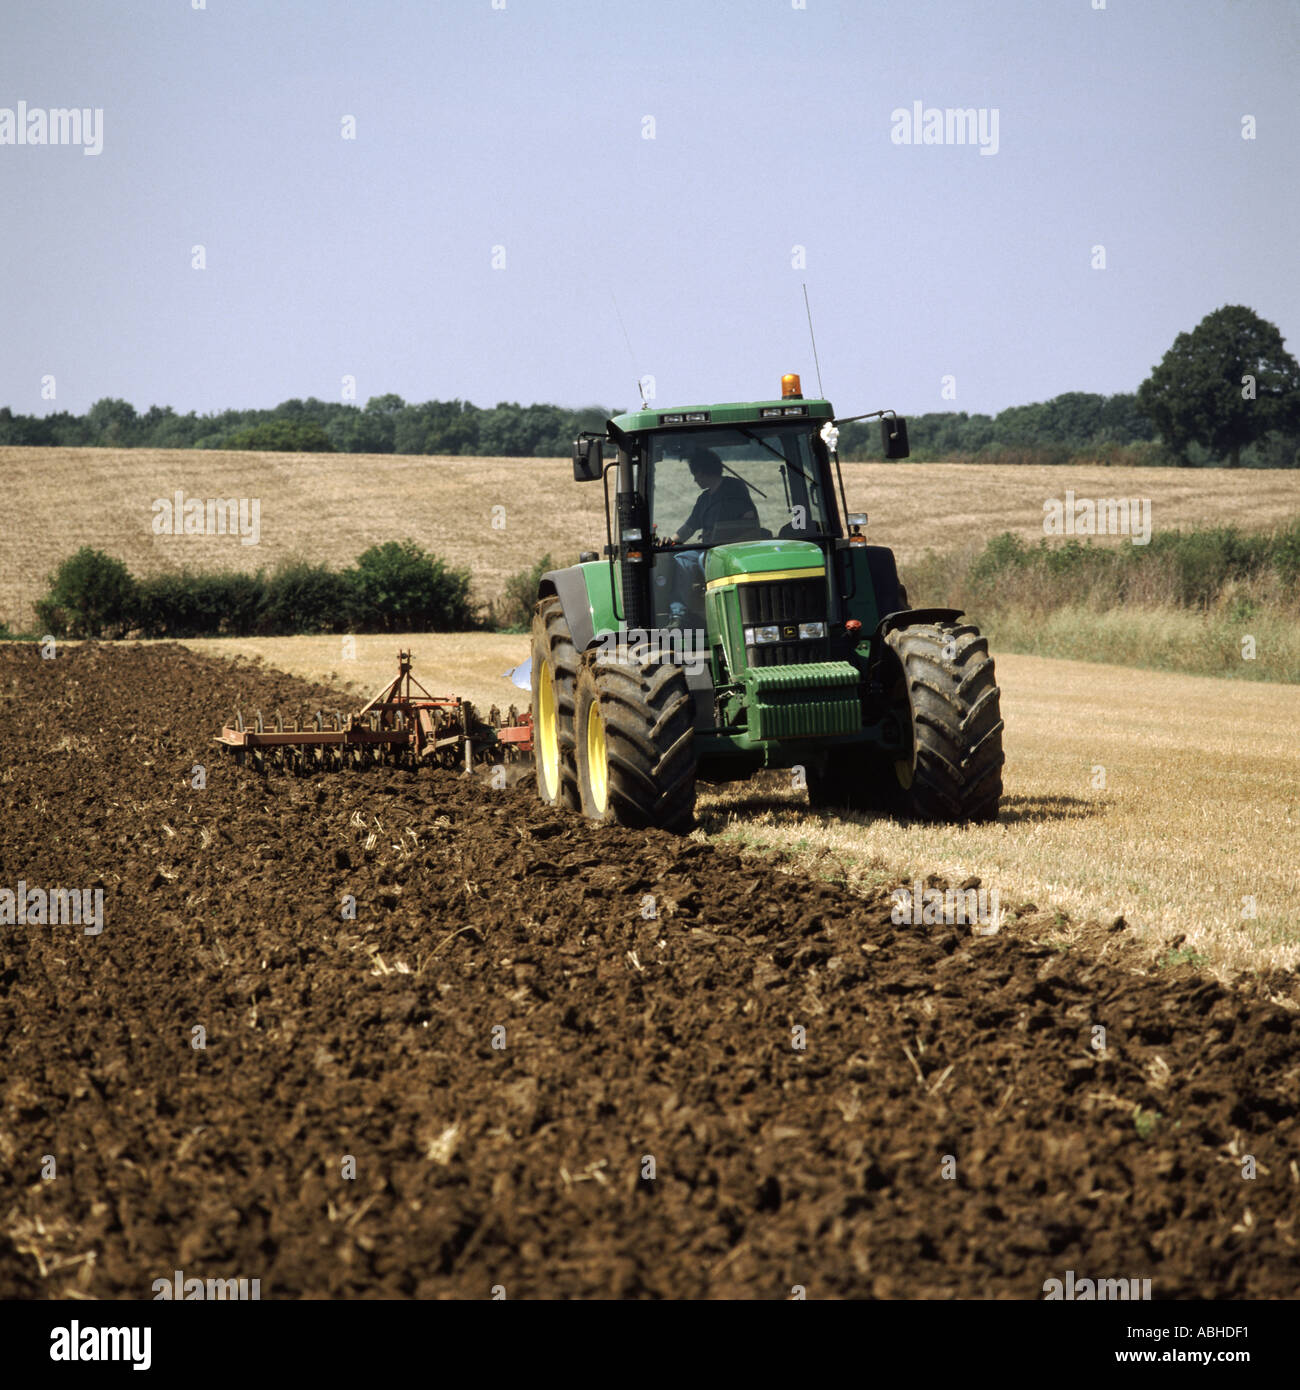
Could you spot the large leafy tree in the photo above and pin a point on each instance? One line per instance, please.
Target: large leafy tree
(112, 422)
(1226, 383)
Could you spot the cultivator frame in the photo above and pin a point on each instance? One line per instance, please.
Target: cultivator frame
(396, 726)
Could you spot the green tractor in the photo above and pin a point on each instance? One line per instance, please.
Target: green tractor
(739, 620)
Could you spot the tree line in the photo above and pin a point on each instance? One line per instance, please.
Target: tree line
(388, 425)
(1228, 391)
(385, 425)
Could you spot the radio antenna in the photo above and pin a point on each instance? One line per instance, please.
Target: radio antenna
(632, 355)
(811, 335)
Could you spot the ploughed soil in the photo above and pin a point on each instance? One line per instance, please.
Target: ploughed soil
(504, 1072)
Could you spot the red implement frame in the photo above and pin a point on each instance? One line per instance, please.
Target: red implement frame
(396, 721)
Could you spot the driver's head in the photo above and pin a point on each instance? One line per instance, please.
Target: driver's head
(705, 465)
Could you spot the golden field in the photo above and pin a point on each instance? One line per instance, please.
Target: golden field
(1171, 800)
(328, 508)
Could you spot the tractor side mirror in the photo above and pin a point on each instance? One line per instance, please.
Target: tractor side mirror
(893, 435)
(588, 458)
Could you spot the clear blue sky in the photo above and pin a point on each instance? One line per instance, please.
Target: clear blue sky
(522, 127)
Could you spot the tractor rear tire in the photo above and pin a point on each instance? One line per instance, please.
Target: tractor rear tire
(947, 693)
(554, 683)
(635, 731)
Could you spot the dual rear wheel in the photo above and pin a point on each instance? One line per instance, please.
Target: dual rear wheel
(944, 695)
(613, 731)
(635, 721)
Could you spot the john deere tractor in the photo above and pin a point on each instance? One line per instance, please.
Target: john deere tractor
(738, 620)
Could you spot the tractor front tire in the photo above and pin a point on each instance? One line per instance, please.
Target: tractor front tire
(635, 734)
(947, 693)
(554, 684)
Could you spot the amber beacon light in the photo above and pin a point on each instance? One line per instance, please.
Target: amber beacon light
(790, 387)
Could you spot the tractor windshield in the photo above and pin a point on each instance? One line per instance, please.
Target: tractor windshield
(738, 483)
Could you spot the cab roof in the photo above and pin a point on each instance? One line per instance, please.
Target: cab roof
(726, 413)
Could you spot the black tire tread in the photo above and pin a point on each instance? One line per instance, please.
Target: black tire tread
(650, 733)
(957, 722)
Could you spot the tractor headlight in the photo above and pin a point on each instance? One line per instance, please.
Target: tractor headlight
(812, 630)
(754, 636)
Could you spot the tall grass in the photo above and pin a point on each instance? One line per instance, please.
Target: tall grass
(1216, 601)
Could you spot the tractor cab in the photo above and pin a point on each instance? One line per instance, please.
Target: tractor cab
(729, 485)
(757, 482)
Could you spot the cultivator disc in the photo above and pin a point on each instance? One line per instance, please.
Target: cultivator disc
(398, 727)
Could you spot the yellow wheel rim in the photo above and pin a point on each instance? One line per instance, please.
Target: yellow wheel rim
(903, 771)
(548, 734)
(597, 759)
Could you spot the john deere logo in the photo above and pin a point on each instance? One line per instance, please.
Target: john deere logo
(788, 631)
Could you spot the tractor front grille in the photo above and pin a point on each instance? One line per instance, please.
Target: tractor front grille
(785, 603)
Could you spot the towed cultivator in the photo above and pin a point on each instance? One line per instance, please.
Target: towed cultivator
(396, 727)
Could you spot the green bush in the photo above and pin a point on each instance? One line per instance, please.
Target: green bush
(393, 587)
(397, 587)
(1286, 554)
(513, 611)
(1002, 553)
(236, 600)
(300, 597)
(166, 607)
(1206, 560)
(200, 605)
(91, 595)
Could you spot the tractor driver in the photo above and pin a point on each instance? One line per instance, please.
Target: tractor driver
(723, 511)
(724, 508)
